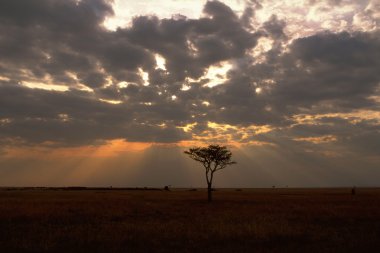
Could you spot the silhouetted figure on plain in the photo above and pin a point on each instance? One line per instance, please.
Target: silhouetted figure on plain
(353, 191)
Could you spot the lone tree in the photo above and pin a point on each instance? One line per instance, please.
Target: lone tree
(213, 158)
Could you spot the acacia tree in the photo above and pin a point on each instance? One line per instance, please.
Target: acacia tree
(213, 158)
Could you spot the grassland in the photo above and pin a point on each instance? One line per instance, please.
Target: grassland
(248, 220)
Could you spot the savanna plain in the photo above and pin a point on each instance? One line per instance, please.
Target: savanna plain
(181, 220)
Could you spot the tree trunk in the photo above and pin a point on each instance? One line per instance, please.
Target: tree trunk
(209, 192)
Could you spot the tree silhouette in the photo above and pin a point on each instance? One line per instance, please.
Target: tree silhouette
(213, 158)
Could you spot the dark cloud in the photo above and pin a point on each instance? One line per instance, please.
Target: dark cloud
(41, 36)
(85, 13)
(322, 73)
(247, 18)
(77, 118)
(335, 70)
(275, 28)
(93, 79)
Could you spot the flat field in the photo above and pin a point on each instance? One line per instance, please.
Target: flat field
(247, 220)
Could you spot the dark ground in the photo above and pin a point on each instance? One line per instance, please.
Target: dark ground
(248, 220)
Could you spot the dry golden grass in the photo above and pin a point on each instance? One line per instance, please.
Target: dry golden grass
(257, 220)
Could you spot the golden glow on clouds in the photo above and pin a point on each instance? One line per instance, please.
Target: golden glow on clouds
(225, 134)
(253, 129)
(192, 48)
(191, 143)
(162, 125)
(263, 46)
(5, 121)
(44, 86)
(160, 62)
(4, 78)
(206, 103)
(114, 102)
(217, 74)
(318, 140)
(144, 76)
(122, 84)
(83, 87)
(229, 134)
(258, 90)
(185, 87)
(114, 147)
(352, 117)
(64, 117)
(188, 127)
(47, 83)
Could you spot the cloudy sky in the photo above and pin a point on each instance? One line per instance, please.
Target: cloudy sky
(99, 93)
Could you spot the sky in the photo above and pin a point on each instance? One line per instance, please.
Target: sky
(101, 93)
